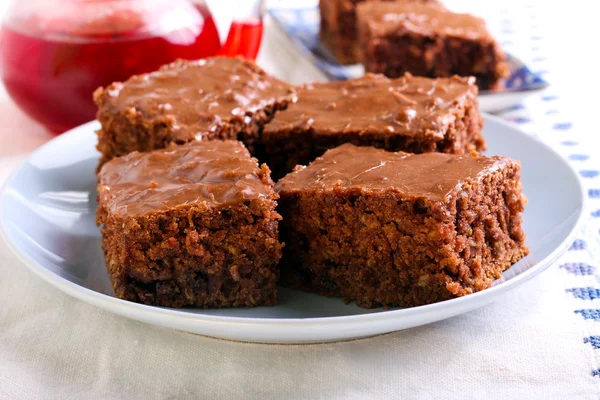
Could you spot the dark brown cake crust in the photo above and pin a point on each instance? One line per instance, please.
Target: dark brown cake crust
(399, 37)
(410, 114)
(338, 27)
(213, 98)
(193, 225)
(392, 229)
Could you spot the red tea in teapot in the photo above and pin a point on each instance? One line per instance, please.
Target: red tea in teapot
(244, 39)
(51, 66)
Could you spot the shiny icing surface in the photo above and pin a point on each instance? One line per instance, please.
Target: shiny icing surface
(195, 97)
(424, 19)
(407, 106)
(430, 175)
(212, 172)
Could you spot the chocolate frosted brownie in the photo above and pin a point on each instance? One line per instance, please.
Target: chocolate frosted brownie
(399, 37)
(410, 114)
(338, 26)
(213, 98)
(191, 225)
(398, 229)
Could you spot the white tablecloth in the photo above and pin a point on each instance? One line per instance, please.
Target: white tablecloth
(536, 342)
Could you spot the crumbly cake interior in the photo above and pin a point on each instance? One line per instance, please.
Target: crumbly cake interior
(190, 225)
(348, 235)
(195, 257)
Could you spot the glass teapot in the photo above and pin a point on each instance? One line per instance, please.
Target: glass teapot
(55, 53)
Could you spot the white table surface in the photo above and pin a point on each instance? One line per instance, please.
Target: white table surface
(529, 344)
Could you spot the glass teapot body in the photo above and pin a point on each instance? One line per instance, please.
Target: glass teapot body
(55, 53)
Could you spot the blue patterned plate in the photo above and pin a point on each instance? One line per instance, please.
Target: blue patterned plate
(301, 25)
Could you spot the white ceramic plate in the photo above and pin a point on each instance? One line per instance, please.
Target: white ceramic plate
(47, 210)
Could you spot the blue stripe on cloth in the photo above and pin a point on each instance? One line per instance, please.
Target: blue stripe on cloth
(588, 173)
(549, 98)
(578, 157)
(596, 372)
(579, 268)
(521, 120)
(585, 293)
(569, 143)
(591, 313)
(593, 340)
(594, 193)
(562, 126)
(515, 107)
(578, 244)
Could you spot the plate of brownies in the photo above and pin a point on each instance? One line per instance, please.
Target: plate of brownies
(213, 198)
(344, 40)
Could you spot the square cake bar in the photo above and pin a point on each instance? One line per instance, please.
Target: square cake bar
(338, 27)
(213, 98)
(190, 225)
(410, 114)
(399, 229)
(425, 40)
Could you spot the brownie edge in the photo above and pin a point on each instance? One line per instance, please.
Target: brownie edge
(190, 226)
(403, 36)
(186, 101)
(411, 114)
(338, 30)
(398, 229)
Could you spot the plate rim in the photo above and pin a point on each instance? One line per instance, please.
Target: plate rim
(127, 308)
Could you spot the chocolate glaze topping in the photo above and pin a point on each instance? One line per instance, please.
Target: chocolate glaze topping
(425, 19)
(431, 175)
(198, 96)
(405, 106)
(212, 172)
